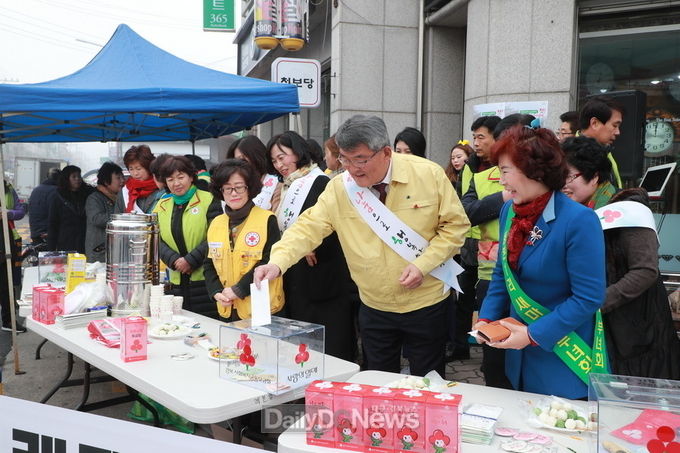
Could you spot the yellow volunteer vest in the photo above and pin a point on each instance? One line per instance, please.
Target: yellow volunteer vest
(232, 265)
(194, 227)
(487, 182)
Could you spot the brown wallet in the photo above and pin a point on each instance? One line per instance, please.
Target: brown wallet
(494, 331)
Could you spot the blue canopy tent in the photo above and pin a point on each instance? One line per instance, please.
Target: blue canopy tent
(135, 91)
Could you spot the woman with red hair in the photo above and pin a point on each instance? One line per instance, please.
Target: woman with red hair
(140, 190)
(550, 274)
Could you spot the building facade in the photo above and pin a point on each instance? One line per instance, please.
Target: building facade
(426, 63)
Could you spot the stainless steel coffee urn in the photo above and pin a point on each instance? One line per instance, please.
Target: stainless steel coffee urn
(132, 262)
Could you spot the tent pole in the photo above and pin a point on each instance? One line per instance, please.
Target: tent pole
(298, 120)
(8, 259)
(193, 147)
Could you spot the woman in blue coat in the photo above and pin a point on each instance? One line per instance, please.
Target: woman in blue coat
(551, 272)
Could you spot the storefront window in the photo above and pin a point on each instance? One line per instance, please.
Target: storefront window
(639, 58)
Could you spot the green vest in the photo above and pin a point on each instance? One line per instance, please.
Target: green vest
(194, 227)
(9, 204)
(465, 178)
(487, 182)
(615, 171)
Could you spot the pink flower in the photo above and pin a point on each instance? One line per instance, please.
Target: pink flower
(609, 216)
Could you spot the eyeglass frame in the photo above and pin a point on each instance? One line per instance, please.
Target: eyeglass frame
(239, 190)
(559, 133)
(357, 164)
(571, 178)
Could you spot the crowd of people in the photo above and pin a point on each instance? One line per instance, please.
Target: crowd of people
(364, 241)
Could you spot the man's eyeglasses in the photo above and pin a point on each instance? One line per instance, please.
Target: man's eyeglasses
(356, 163)
(572, 177)
(238, 189)
(561, 134)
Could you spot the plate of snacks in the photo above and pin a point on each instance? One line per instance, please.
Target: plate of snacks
(224, 353)
(168, 331)
(410, 382)
(561, 415)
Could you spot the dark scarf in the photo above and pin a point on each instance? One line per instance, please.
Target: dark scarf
(138, 189)
(526, 215)
(237, 217)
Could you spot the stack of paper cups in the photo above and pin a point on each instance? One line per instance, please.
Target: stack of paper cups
(177, 302)
(155, 295)
(166, 307)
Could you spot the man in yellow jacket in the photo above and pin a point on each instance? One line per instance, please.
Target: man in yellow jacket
(402, 304)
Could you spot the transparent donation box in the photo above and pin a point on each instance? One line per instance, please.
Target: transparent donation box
(636, 414)
(274, 358)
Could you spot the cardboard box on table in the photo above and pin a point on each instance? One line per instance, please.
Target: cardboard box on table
(381, 421)
(274, 358)
(319, 409)
(635, 414)
(349, 421)
(442, 422)
(409, 405)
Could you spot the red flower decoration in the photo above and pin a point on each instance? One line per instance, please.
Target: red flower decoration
(303, 354)
(244, 341)
(136, 345)
(665, 442)
(345, 424)
(405, 432)
(377, 435)
(246, 357)
(609, 216)
(438, 438)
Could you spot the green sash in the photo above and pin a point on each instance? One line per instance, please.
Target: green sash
(571, 349)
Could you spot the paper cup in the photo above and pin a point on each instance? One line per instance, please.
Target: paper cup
(177, 302)
(166, 316)
(166, 303)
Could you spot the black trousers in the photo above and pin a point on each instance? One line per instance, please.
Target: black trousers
(422, 332)
(493, 359)
(4, 295)
(460, 313)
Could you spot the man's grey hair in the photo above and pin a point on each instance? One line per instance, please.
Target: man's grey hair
(362, 130)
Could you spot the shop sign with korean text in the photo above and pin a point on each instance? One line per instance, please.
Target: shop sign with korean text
(305, 74)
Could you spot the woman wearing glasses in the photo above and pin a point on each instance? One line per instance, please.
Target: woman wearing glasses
(252, 150)
(239, 240)
(183, 223)
(588, 180)
(318, 287)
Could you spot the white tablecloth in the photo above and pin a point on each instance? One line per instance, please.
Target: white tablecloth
(192, 388)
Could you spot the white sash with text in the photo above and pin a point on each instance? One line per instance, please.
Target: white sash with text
(401, 238)
(297, 193)
(264, 198)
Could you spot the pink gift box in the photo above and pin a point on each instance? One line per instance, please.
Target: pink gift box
(319, 407)
(133, 339)
(409, 409)
(35, 304)
(51, 304)
(381, 421)
(442, 425)
(349, 416)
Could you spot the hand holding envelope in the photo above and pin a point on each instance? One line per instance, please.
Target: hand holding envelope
(506, 333)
